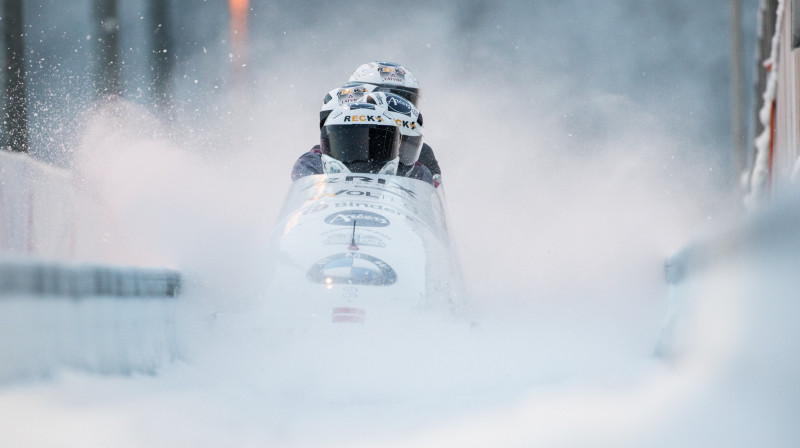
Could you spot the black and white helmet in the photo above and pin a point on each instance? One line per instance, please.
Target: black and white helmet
(360, 138)
(348, 93)
(389, 77)
(408, 120)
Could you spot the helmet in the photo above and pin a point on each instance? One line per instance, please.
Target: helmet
(360, 138)
(407, 118)
(389, 77)
(348, 93)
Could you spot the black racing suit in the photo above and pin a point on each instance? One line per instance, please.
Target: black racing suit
(427, 158)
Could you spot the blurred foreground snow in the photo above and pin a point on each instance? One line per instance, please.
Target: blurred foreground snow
(555, 378)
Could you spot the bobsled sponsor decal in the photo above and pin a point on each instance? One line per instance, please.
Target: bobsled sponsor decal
(361, 179)
(369, 194)
(397, 186)
(364, 218)
(375, 193)
(352, 268)
(389, 187)
(380, 207)
(364, 181)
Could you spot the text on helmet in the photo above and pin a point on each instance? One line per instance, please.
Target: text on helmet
(405, 124)
(385, 69)
(364, 118)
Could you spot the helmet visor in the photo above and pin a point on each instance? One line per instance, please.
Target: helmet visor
(361, 142)
(410, 146)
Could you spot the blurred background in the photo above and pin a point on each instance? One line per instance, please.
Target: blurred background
(546, 63)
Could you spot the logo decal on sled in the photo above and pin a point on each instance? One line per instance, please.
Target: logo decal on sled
(352, 269)
(364, 218)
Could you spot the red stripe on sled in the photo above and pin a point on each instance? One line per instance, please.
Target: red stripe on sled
(348, 315)
(347, 310)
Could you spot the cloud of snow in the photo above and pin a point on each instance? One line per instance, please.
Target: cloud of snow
(565, 196)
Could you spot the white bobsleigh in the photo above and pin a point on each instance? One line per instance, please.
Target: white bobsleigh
(361, 249)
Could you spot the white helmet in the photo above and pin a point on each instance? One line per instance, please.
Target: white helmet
(408, 120)
(348, 93)
(389, 77)
(360, 138)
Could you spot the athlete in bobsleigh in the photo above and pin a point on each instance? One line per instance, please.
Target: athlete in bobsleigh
(392, 79)
(394, 110)
(360, 137)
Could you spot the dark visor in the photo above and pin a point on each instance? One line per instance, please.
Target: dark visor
(410, 146)
(364, 142)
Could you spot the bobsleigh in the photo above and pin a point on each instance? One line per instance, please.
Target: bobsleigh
(361, 249)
